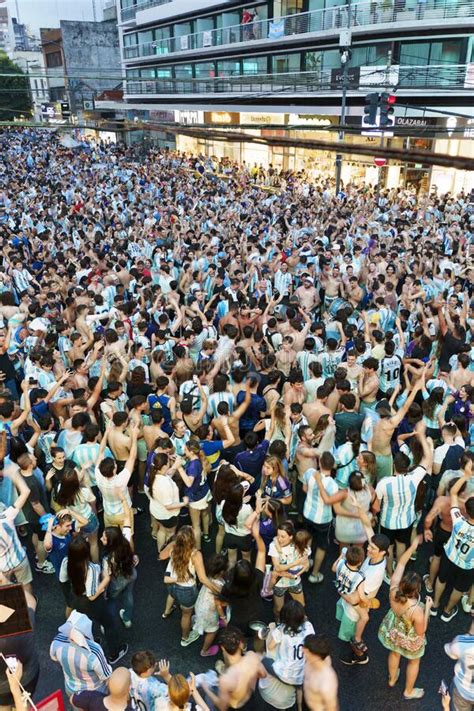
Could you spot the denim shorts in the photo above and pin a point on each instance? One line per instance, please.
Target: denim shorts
(185, 595)
(91, 526)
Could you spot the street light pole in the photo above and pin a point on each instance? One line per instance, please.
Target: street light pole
(345, 59)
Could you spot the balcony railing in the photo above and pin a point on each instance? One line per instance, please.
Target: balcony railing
(128, 13)
(453, 77)
(362, 14)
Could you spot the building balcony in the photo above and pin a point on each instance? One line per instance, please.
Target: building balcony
(361, 18)
(406, 80)
(128, 13)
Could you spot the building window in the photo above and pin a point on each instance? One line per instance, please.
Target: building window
(57, 93)
(54, 59)
(228, 69)
(254, 65)
(285, 63)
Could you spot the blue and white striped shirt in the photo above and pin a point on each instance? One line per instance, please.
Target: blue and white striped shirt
(460, 546)
(462, 649)
(397, 495)
(315, 509)
(346, 464)
(84, 668)
(12, 553)
(304, 358)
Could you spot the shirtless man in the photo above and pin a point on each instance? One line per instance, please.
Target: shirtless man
(294, 390)
(153, 431)
(368, 384)
(383, 432)
(332, 285)
(320, 680)
(314, 410)
(307, 294)
(305, 458)
(286, 356)
(119, 442)
(237, 684)
(232, 420)
(354, 292)
(353, 369)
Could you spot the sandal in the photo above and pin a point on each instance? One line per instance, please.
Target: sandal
(397, 677)
(167, 614)
(415, 694)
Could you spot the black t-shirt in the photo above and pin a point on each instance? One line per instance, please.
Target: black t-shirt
(451, 346)
(247, 607)
(142, 389)
(36, 497)
(6, 367)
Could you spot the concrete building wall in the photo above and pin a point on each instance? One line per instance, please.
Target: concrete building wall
(92, 58)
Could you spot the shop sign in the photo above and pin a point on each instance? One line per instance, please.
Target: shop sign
(469, 130)
(337, 77)
(189, 117)
(309, 120)
(415, 121)
(224, 117)
(261, 119)
(166, 116)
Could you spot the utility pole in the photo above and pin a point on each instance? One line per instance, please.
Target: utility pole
(344, 48)
(382, 135)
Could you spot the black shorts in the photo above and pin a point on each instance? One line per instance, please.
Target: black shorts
(320, 534)
(399, 535)
(439, 539)
(35, 527)
(168, 522)
(458, 578)
(240, 543)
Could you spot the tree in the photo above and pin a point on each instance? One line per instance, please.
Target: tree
(15, 98)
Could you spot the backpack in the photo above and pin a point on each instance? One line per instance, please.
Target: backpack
(452, 458)
(188, 397)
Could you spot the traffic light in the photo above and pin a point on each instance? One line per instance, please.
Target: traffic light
(387, 109)
(370, 110)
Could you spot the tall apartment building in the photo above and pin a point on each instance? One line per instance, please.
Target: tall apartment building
(279, 62)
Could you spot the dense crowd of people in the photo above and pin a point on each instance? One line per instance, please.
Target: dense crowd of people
(277, 369)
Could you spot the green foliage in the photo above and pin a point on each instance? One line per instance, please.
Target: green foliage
(15, 99)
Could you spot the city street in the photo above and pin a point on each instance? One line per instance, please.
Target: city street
(359, 687)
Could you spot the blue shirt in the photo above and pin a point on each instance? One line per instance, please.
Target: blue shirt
(200, 487)
(251, 462)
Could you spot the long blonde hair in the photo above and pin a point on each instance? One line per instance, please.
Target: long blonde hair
(194, 447)
(184, 545)
(277, 467)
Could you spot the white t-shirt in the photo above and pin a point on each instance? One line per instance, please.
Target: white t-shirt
(112, 502)
(240, 528)
(373, 574)
(165, 492)
(441, 451)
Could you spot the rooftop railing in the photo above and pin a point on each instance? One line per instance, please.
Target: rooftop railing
(439, 77)
(363, 14)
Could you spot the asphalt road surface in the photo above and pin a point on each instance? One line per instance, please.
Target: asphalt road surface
(361, 687)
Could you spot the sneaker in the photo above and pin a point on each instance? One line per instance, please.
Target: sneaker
(428, 586)
(352, 658)
(466, 605)
(193, 636)
(211, 652)
(206, 538)
(126, 623)
(386, 579)
(358, 647)
(121, 653)
(448, 616)
(434, 612)
(46, 568)
(318, 578)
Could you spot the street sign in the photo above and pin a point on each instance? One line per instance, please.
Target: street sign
(380, 162)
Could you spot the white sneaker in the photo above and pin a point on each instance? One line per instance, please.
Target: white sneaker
(466, 605)
(126, 623)
(318, 578)
(46, 568)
